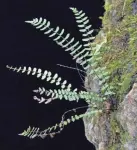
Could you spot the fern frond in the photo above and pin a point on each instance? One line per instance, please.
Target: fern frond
(43, 75)
(84, 27)
(51, 131)
(100, 72)
(64, 41)
(67, 95)
(57, 94)
(30, 132)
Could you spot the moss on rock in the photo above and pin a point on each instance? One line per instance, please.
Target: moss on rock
(119, 56)
(119, 53)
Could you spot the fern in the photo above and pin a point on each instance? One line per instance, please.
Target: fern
(76, 49)
(79, 52)
(100, 72)
(64, 92)
(51, 131)
(46, 75)
(89, 97)
(84, 27)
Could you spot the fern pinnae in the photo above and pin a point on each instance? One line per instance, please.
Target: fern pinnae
(56, 94)
(42, 99)
(100, 72)
(34, 132)
(70, 95)
(84, 27)
(66, 92)
(58, 37)
(46, 75)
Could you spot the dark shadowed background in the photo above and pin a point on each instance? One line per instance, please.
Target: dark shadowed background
(23, 45)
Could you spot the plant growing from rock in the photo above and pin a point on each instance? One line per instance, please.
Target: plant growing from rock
(87, 54)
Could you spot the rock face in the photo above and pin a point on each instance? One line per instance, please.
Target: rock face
(127, 116)
(100, 133)
(117, 130)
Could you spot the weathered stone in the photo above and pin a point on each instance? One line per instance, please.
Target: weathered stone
(100, 132)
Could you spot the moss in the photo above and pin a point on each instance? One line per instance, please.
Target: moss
(96, 118)
(124, 136)
(119, 54)
(125, 85)
(115, 132)
(118, 136)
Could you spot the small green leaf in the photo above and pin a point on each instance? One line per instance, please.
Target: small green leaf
(68, 120)
(65, 123)
(52, 81)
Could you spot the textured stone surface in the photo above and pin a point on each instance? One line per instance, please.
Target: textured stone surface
(99, 132)
(127, 116)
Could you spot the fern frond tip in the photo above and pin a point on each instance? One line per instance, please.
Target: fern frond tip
(28, 21)
(73, 9)
(7, 66)
(21, 134)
